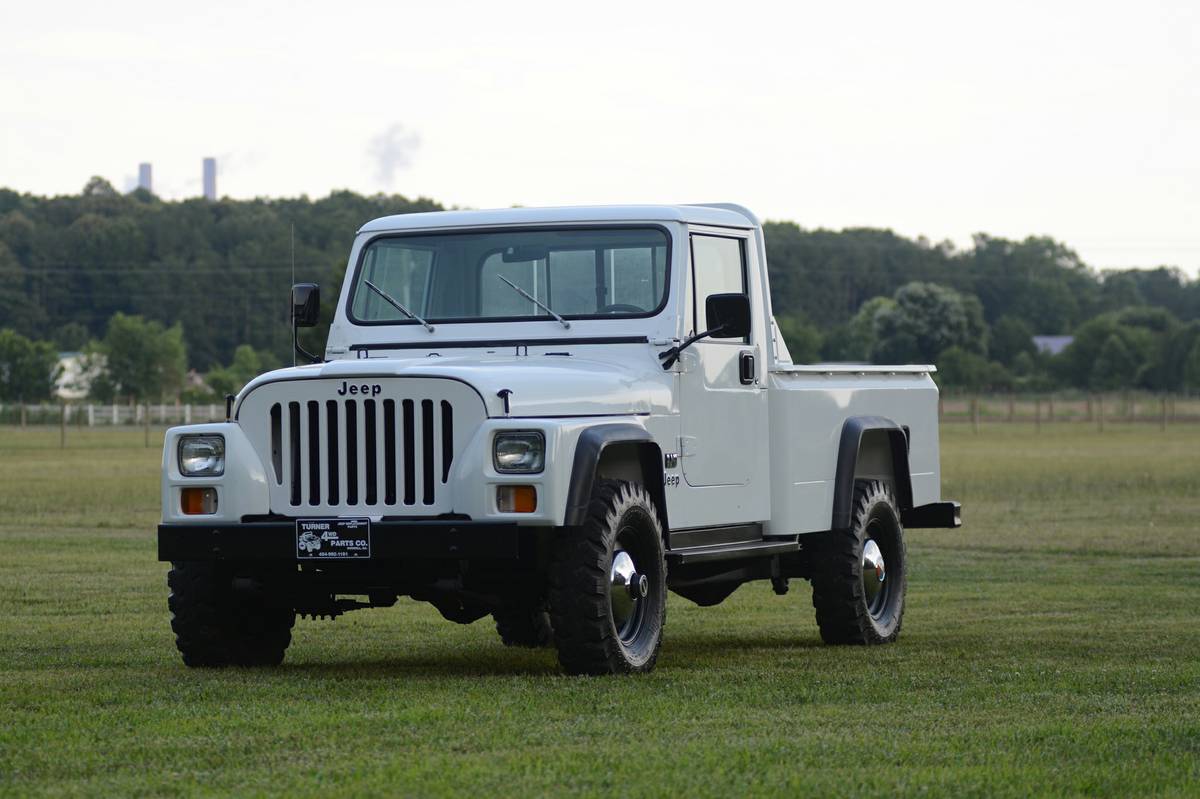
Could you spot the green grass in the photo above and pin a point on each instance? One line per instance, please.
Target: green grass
(1052, 646)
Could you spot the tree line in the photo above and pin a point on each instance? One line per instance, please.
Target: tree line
(148, 288)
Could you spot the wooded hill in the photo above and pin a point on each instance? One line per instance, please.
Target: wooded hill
(222, 270)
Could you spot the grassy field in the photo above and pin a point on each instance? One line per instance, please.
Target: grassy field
(1050, 647)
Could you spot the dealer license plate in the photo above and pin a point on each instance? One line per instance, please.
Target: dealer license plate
(333, 539)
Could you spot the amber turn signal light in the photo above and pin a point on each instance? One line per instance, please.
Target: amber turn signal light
(198, 501)
(516, 499)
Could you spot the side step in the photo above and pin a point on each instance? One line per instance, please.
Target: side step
(738, 551)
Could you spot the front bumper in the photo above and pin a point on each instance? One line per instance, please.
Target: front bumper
(390, 540)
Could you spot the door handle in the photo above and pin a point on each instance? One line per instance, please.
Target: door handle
(746, 368)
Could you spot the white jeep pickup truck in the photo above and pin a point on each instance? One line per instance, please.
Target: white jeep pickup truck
(553, 416)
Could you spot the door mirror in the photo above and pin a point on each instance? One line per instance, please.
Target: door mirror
(728, 315)
(306, 304)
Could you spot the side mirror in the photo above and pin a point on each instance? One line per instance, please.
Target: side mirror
(728, 315)
(306, 304)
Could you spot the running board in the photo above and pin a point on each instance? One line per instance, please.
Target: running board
(739, 551)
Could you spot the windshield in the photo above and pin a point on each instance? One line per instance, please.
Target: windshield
(467, 277)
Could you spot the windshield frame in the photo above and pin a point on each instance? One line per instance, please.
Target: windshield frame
(356, 279)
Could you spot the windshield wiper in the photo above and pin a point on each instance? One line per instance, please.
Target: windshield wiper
(396, 304)
(535, 301)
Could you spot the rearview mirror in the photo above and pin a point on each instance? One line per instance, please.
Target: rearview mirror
(524, 253)
(728, 315)
(306, 304)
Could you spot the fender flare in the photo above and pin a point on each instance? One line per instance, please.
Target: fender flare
(590, 447)
(848, 447)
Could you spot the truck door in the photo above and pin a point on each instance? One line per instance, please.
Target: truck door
(722, 402)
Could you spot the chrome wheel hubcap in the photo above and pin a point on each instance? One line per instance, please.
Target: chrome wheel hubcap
(874, 572)
(626, 590)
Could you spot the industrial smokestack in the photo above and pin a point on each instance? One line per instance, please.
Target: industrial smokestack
(210, 179)
(144, 179)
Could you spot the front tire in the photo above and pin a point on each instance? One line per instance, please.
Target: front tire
(214, 626)
(608, 584)
(859, 575)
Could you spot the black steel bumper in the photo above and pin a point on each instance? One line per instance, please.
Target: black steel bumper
(396, 540)
(935, 514)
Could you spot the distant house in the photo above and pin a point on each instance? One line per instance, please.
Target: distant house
(1052, 345)
(75, 375)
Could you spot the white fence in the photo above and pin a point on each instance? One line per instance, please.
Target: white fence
(94, 415)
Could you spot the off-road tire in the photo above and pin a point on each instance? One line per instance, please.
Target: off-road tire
(214, 626)
(620, 516)
(844, 614)
(524, 626)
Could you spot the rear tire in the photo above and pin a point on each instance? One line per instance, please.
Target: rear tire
(858, 589)
(608, 584)
(214, 626)
(524, 626)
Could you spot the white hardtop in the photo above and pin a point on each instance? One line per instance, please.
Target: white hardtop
(716, 214)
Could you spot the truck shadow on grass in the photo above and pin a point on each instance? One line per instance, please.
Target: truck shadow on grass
(686, 653)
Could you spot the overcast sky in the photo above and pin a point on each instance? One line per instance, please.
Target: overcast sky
(1078, 120)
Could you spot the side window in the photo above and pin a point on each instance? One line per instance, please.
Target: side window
(718, 267)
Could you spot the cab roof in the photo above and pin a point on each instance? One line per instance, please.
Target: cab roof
(716, 214)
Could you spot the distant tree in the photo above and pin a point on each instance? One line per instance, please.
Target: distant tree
(18, 309)
(98, 187)
(803, 339)
(247, 364)
(1038, 280)
(1115, 366)
(1140, 355)
(143, 360)
(854, 341)
(1176, 353)
(71, 337)
(926, 320)
(28, 368)
(1010, 337)
(1191, 369)
(970, 371)
(1120, 290)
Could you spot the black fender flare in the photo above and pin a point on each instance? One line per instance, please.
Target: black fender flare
(847, 462)
(590, 447)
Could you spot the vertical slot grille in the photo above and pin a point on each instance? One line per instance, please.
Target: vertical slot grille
(389, 452)
(371, 477)
(314, 452)
(447, 440)
(331, 447)
(410, 474)
(427, 449)
(351, 452)
(277, 442)
(342, 455)
(294, 443)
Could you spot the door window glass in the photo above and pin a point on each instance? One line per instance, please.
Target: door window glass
(718, 267)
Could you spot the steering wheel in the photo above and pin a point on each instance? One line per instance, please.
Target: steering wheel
(621, 307)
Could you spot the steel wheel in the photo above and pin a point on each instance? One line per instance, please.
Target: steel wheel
(874, 576)
(627, 590)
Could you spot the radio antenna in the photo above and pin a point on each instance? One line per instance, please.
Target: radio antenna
(291, 308)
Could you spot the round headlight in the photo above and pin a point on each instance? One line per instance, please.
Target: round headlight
(519, 452)
(202, 456)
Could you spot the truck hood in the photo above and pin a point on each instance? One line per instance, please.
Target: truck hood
(536, 385)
